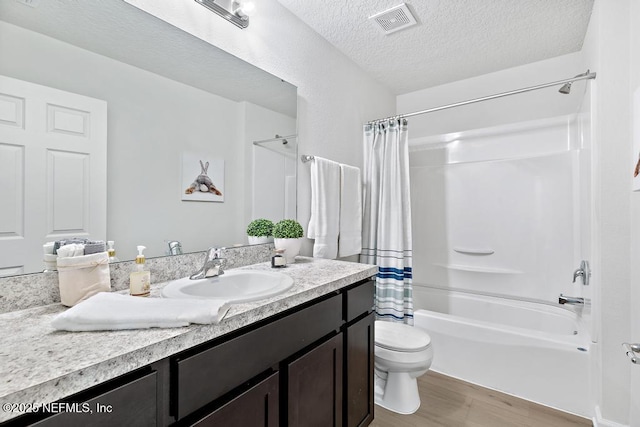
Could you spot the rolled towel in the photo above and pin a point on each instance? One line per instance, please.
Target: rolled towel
(94, 247)
(71, 250)
(110, 311)
(62, 242)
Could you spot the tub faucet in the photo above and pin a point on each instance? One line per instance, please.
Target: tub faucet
(563, 299)
(212, 265)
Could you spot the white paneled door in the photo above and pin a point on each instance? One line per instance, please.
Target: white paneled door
(53, 171)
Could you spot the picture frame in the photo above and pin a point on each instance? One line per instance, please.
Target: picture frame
(202, 177)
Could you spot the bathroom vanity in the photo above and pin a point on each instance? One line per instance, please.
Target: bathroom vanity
(301, 358)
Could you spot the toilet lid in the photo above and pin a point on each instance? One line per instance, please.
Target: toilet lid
(400, 337)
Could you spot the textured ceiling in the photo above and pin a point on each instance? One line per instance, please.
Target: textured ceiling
(122, 32)
(454, 39)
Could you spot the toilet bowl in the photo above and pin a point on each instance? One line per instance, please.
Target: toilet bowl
(402, 354)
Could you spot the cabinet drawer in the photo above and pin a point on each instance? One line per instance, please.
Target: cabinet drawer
(360, 300)
(205, 376)
(132, 404)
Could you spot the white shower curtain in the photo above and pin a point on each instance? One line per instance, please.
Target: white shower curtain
(386, 231)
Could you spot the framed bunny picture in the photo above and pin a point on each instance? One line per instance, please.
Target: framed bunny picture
(202, 177)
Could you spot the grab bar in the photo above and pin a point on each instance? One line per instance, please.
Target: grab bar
(474, 251)
(632, 351)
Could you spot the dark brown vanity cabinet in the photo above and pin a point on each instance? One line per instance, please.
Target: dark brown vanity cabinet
(322, 355)
(309, 366)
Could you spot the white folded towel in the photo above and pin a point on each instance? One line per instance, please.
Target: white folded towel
(350, 242)
(110, 311)
(325, 207)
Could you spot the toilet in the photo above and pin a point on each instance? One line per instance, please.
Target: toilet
(402, 354)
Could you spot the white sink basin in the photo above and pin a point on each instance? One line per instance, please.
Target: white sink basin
(232, 286)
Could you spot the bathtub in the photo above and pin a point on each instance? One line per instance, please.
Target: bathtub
(535, 351)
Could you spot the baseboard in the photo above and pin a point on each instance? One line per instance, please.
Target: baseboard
(598, 421)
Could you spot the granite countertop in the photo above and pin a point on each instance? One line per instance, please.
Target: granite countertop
(40, 365)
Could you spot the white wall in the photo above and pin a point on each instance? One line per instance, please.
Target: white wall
(607, 49)
(634, 54)
(335, 97)
(151, 119)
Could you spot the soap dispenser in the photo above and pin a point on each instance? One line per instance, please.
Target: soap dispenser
(140, 278)
(111, 252)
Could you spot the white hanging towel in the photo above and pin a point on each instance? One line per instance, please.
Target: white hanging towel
(350, 240)
(110, 311)
(324, 223)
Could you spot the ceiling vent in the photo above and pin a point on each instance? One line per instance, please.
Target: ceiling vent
(395, 19)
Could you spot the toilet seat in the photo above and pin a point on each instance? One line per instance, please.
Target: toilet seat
(400, 337)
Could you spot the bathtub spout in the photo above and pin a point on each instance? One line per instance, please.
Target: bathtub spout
(563, 299)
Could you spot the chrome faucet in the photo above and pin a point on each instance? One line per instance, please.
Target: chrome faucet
(584, 272)
(563, 299)
(175, 247)
(212, 265)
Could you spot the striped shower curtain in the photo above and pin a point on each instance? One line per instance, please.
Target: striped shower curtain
(386, 229)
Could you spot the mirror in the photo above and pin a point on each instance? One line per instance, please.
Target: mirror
(171, 100)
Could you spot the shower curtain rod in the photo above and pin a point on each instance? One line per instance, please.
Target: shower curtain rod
(585, 76)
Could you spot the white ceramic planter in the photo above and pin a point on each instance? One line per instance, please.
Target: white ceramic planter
(259, 240)
(291, 247)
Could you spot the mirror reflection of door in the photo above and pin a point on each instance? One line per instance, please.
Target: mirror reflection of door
(53, 171)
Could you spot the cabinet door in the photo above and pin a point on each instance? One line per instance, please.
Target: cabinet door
(257, 407)
(315, 386)
(360, 352)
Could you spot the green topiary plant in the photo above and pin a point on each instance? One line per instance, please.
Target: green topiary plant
(287, 229)
(260, 228)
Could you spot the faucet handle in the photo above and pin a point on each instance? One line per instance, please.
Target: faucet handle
(584, 272)
(578, 273)
(214, 253)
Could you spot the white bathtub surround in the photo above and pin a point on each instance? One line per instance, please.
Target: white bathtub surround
(502, 210)
(324, 224)
(386, 239)
(535, 351)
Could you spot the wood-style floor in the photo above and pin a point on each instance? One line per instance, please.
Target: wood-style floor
(449, 402)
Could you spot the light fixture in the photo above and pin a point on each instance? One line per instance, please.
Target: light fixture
(233, 11)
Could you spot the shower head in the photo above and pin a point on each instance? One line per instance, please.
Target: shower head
(565, 89)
